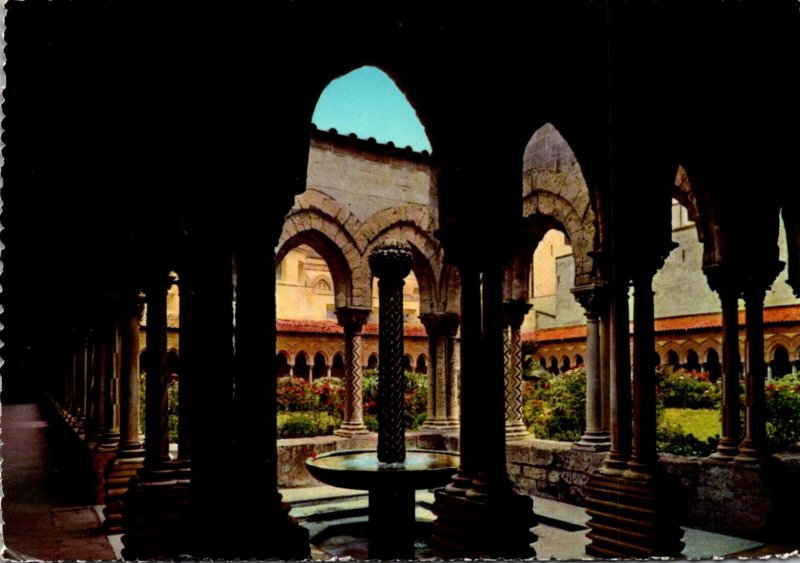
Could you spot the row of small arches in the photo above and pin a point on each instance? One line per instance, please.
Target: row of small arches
(780, 363)
(320, 367)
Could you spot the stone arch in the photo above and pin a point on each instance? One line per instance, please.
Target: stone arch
(773, 341)
(400, 223)
(302, 367)
(320, 366)
(671, 358)
(780, 361)
(685, 348)
(795, 347)
(372, 361)
(578, 360)
(422, 364)
(408, 363)
(281, 364)
(579, 229)
(709, 344)
(553, 186)
(337, 365)
(683, 193)
(329, 237)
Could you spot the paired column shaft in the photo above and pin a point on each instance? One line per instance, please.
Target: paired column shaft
(157, 382)
(515, 312)
(753, 447)
(643, 456)
(352, 321)
(620, 382)
(731, 407)
(129, 445)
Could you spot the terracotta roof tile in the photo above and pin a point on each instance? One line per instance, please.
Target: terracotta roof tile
(332, 327)
(772, 315)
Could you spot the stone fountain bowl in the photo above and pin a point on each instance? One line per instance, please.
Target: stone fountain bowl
(360, 469)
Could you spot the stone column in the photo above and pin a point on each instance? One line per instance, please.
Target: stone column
(130, 446)
(470, 379)
(79, 405)
(111, 433)
(595, 438)
(514, 315)
(391, 261)
(643, 455)
(619, 382)
(441, 328)
(100, 376)
(156, 441)
(454, 378)
(253, 432)
(605, 376)
(352, 320)
(728, 446)
(130, 453)
(185, 381)
(753, 448)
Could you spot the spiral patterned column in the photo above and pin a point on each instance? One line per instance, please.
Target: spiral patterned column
(515, 312)
(352, 320)
(391, 261)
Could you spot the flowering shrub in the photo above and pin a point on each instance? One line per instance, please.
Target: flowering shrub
(172, 406)
(554, 406)
(416, 399)
(330, 395)
(295, 394)
(683, 388)
(783, 412)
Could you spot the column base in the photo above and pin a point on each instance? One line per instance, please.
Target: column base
(516, 431)
(752, 452)
(109, 442)
(726, 450)
(118, 475)
(439, 425)
(632, 518)
(615, 464)
(493, 527)
(155, 512)
(350, 429)
(593, 441)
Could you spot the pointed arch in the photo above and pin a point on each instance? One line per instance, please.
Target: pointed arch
(330, 239)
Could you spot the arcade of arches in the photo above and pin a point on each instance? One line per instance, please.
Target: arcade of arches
(123, 166)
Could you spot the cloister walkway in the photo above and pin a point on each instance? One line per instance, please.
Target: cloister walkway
(47, 512)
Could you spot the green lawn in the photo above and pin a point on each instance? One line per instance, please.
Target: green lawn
(703, 423)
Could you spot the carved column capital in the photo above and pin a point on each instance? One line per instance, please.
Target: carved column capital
(352, 318)
(593, 298)
(440, 324)
(514, 312)
(391, 259)
(757, 283)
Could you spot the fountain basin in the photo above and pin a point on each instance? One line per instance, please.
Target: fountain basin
(360, 469)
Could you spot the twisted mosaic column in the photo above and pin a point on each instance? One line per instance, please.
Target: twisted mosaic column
(352, 320)
(390, 261)
(513, 315)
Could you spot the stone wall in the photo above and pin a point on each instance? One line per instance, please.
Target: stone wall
(757, 503)
(293, 453)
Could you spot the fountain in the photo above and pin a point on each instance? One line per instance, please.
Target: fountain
(391, 474)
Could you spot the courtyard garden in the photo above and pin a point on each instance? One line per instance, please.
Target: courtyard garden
(688, 407)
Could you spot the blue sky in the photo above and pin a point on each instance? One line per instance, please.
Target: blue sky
(368, 103)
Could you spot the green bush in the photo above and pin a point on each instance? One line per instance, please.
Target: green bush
(172, 406)
(554, 406)
(673, 439)
(416, 399)
(306, 424)
(783, 412)
(686, 389)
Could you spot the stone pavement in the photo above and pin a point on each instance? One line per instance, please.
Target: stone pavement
(48, 516)
(45, 515)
